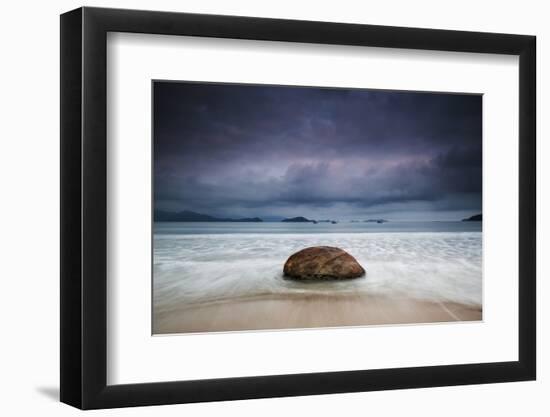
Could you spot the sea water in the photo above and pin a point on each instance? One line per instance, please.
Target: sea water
(204, 262)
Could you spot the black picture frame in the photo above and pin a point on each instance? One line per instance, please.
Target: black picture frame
(84, 207)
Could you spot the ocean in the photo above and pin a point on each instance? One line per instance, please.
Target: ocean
(197, 263)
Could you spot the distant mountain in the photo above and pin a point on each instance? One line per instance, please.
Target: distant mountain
(299, 219)
(475, 218)
(191, 216)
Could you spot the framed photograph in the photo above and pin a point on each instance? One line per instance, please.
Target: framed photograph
(257, 208)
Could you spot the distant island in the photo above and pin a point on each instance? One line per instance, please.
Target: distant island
(375, 221)
(298, 219)
(475, 218)
(301, 219)
(191, 216)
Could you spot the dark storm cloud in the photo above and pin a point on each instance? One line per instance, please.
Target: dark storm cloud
(260, 150)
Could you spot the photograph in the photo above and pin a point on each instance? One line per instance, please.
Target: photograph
(290, 207)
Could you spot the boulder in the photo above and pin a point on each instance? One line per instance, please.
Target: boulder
(322, 263)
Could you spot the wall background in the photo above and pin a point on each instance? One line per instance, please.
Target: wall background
(29, 237)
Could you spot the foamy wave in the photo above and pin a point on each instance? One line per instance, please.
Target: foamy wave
(200, 268)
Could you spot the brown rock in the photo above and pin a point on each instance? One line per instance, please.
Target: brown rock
(322, 262)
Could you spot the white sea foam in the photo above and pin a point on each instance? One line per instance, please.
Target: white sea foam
(199, 268)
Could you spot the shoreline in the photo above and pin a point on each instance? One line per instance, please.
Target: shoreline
(306, 311)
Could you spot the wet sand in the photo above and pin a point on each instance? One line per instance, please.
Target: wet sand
(299, 312)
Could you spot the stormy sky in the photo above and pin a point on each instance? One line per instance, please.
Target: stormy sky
(235, 150)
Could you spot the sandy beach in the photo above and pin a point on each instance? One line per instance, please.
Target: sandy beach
(307, 311)
(231, 277)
